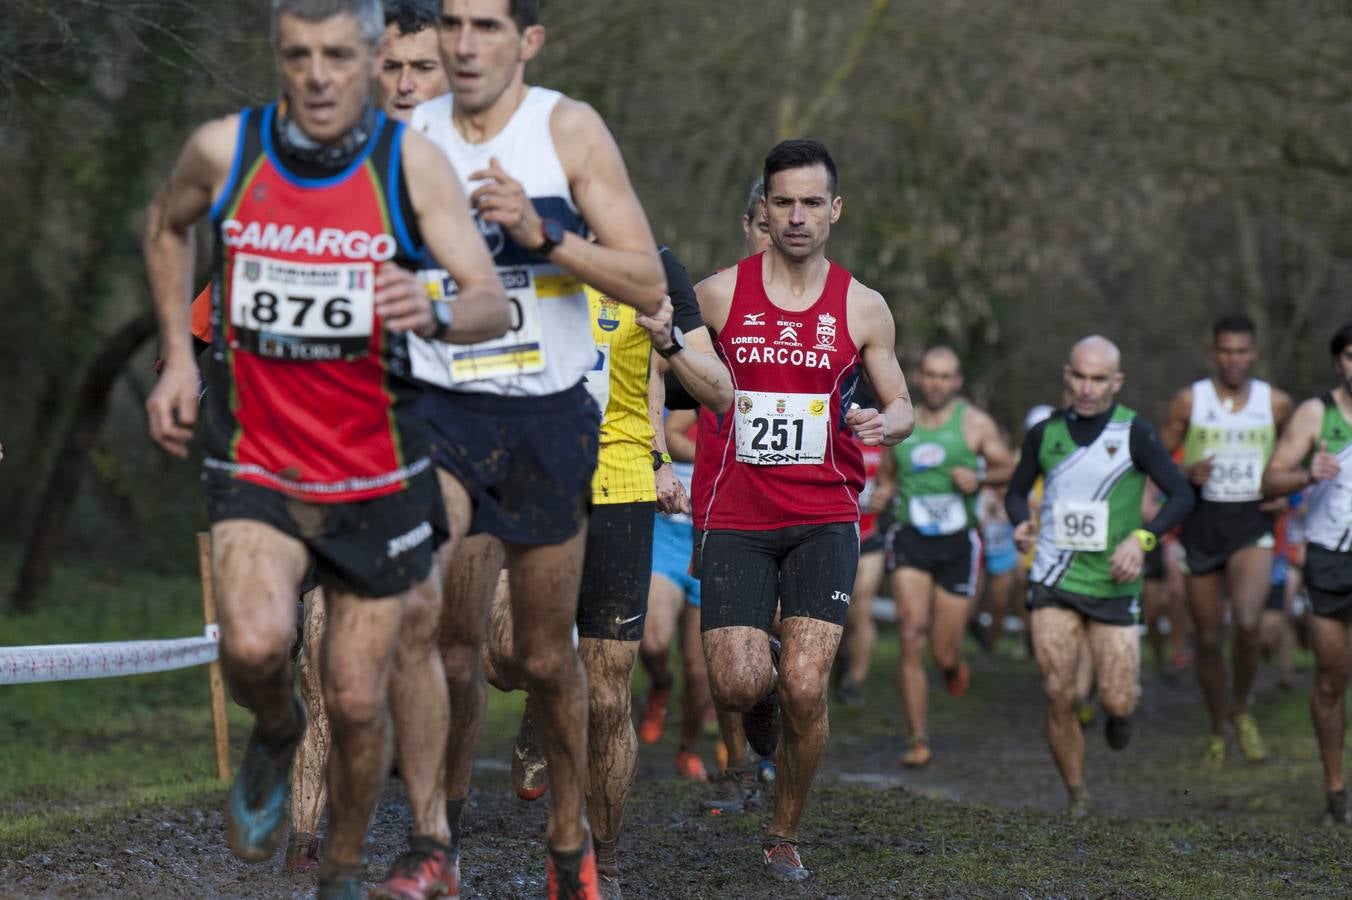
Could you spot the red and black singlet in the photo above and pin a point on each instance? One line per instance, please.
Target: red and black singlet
(783, 455)
(307, 392)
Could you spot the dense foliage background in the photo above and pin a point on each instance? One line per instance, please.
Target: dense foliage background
(1015, 176)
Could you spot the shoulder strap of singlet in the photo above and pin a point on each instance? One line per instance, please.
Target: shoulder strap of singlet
(387, 157)
(248, 147)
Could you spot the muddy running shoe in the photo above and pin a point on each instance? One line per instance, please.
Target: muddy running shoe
(1249, 740)
(302, 852)
(689, 765)
(1335, 809)
(848, 694)
(781, 859)
(1077, 803)
(428, 868)
(341, 886)
(608, 882)
(918, 754)
(957, 679)
(654, 716)
(761, 722)
(1214, 757)
(766, 771)
(733, 790)
(255, 811)
(1117, 731)
(572, 876)
(530, 770)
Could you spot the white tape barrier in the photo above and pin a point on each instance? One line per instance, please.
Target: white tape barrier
(71, 662)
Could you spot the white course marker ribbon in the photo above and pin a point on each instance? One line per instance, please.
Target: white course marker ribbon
(72, 662)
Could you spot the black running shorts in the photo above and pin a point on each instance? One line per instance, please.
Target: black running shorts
(526, 462)
(613, 601)
(1108, 610)
(379, 548)
(952, 560)
(1328, 581)
(1214, 532)
(808, 570)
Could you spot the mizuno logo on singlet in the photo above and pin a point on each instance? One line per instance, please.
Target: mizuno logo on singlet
(321, 242)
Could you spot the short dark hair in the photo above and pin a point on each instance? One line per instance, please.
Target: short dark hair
(797, 154)
(753, 199)
(412, 16)
(1233, 324)
(524, 13)
(1341, 338)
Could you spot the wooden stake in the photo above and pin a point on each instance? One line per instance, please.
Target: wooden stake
(218, 721)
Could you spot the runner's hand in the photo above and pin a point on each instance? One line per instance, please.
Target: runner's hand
(671, 496)
(402, 302)
(1024, 535)
(1275, 506)
(172, 406)
(878, 501)
(965, 480)
(1127, 560)
(1324, 465)
(867, 425)
(658, 325)
(503, 201)
(1199, 473)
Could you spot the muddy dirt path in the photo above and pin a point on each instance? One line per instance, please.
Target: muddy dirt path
(988, 751)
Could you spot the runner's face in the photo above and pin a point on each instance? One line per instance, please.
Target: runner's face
(1234, 353)
(756, 231)
(940, 380)
(328, 69)
(411, 72)
(1092, 380)
(484, 51)
(800, 210)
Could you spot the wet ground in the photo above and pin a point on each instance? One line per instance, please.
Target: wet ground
(982, 820)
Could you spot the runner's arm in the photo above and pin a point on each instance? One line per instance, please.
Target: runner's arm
(878, 353)
(991, 447)
(622, 262)
(481, 311)
(671, 496)
(1285, 473)
(681, 448)
(168, 247)
(1025, 473)
(1149, 455)
(1282, 409)
(884, 483)
(697, 367)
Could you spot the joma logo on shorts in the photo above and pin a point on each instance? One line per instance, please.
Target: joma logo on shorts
(842, 596)
(408, 541)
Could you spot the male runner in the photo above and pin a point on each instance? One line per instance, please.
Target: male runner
(1085, 584)
(936, 553)
(410, 72)
(781, 526)
(312, 199)
(1227, 426)
(513, 420)
(1315, 456)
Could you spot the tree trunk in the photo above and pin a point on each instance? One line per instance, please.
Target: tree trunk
(63, 483)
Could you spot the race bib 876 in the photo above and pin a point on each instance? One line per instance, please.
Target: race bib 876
(304, 312)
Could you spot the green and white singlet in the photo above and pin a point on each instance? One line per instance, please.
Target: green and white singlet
(1091, 502)
(1329, 519)
(930, 501)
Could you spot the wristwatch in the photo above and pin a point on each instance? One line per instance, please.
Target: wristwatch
(660, 459)
(1146, 539)
(677, 344)
(551, 235)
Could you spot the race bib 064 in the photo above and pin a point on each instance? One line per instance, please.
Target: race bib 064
(1080, 524)
(1236, 475)
(305, 312)
(781, 429)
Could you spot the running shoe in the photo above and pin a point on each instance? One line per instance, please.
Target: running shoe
(1085, 714)
(572, 876)
(766, 771)
(530, 769)
(255, 811)
(1335, 811)
(781, 859)
(1249, 740)
(689, 765)
(302, 852)
(733, 790)
(957, 679)
(428, 868)
(654, 716)
(918, 754)
(341, 886)
(608, 884)
(1117, 731)
(761, 722)
(1077, 803)
(1214, 757)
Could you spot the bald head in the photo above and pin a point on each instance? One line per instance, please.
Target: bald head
(942, 356)
(1093, 376)
(940, 377)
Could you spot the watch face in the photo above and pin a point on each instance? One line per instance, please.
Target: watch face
(553, 231)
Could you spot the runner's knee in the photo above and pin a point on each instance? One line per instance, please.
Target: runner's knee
(255, 653)
(730, 692)
(544, 666)
(802, 696)
(462, 663)
(353, 706)
(1208, 644)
